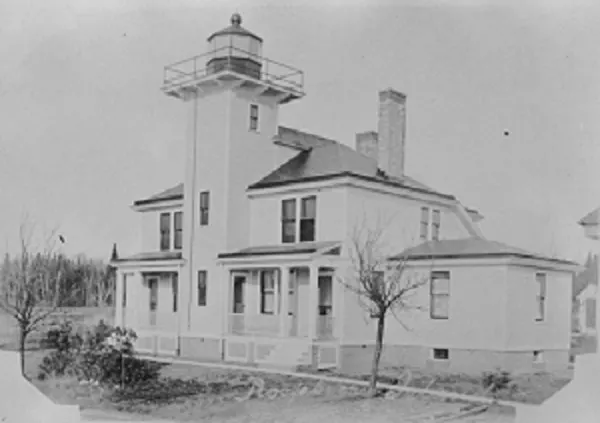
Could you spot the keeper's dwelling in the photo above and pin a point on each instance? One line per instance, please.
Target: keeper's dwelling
(242, 261)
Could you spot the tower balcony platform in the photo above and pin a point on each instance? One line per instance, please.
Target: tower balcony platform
(231, 64)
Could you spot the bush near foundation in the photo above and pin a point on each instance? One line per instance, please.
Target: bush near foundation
(102, 355)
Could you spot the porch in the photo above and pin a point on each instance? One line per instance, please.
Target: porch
(284, 302)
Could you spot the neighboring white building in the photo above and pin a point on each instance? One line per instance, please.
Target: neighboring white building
(241, 262)
(585, 287)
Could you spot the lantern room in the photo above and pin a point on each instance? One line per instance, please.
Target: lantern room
(234, 58)
(235, 48)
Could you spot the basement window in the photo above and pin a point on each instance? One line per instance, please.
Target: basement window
(440, 354)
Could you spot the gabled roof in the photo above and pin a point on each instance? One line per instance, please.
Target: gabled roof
(331, 247)
(591, 219)
(330, 160)
(319, 158)
(469, 248)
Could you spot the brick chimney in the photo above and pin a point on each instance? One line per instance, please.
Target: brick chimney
(366, 144)
(391, 132)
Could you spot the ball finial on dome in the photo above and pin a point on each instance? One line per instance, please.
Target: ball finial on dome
(236, 19)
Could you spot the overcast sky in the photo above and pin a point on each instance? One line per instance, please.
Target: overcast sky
(85, 130)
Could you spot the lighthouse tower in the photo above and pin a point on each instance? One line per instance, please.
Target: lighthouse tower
(232, 95)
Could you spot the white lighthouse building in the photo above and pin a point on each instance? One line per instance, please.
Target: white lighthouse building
(242, 261)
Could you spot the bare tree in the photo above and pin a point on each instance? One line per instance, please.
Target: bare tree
(28, 285)
(383, 286)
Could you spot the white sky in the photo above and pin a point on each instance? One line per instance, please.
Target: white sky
(85, 130)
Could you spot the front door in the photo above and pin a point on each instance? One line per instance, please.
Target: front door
(153, 287)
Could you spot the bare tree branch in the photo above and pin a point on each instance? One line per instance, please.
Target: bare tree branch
(382, 286)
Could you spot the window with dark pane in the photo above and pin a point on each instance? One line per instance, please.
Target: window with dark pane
(204, 206)
(178, 224)
(254, 117)
(165, 231)
(124, 297)
(424, 223)
(175, 288)
(308, 215)
(441, 353)
(435, 225)
(202, 287)
(288, 220)
(267, 291)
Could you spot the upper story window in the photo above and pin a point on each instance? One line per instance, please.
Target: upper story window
(204, 206)
(298, 223)
(288, 220)
(430, 218)
(254, 117)
(540, 279)
(308, 215)
(165, 231)
(178, 226)
(424, 230)
(435, 225)
(439, 307)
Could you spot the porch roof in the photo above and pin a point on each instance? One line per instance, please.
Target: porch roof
(151, 256)
(324, 247)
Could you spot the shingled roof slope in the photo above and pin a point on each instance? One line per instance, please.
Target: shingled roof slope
(470, 248)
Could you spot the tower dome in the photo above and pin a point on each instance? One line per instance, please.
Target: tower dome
(235, 48)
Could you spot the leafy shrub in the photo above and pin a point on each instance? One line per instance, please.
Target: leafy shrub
(497, 381)
(65, 344)
(103, 354)
(62, 337)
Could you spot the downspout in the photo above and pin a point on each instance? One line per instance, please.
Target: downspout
(192, 217)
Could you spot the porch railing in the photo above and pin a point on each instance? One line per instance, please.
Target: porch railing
(254, 324)
(325, 326)
(149, 320)
(199, 67)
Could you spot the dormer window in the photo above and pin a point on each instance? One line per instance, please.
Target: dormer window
(254, 117)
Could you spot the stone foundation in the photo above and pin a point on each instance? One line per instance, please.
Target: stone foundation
(357, 359)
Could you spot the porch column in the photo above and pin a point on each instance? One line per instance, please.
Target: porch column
(285, 299)
(119, 312)
(313, 300)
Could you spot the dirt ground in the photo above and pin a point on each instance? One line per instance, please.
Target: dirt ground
(332, 406)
